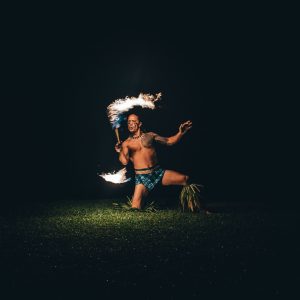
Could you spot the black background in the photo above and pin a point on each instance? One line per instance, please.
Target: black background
(218, 67)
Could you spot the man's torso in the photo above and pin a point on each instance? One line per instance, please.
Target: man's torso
(142, 152)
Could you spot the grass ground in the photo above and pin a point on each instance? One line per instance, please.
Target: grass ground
(83, 248)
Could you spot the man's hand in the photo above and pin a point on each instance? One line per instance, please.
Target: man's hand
(184, 127)
(118, 147)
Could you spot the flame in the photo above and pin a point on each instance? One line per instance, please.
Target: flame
(116, 177)
(119, 106)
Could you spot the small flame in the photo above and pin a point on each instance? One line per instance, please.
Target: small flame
(119, 106)
(116, 177)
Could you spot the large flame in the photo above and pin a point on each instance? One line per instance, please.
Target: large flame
(119, 106)
(116, 177)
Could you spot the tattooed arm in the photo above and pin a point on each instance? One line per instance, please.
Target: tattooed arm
(172, 140)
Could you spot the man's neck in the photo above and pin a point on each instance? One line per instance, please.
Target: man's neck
(136, 135)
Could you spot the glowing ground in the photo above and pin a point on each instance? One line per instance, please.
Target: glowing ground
(76, 248)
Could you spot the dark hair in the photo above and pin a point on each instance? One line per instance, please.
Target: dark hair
(138, 111)
(135, 115)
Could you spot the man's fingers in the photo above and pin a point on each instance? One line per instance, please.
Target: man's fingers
(187, 123)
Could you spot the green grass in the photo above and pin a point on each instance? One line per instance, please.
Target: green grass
(165, 252)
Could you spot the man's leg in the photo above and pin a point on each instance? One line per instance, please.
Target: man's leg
(174, 178)
(140, 191)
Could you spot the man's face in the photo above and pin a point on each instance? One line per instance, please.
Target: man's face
(133, 123)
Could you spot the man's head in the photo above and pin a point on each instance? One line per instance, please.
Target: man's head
(133, 123)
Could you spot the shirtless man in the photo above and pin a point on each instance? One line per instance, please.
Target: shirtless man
(139, 149)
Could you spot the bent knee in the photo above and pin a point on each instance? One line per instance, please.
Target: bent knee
(186, 179)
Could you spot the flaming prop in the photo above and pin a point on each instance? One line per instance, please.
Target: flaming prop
(116, 110)
(116, 177)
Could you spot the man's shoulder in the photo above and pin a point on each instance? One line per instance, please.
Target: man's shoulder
(126, 142)
(150, 133)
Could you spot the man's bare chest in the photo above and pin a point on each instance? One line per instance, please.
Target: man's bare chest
(144, 142)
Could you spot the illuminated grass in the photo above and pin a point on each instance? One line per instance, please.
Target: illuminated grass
(90, 241)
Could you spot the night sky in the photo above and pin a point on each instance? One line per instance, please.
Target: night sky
(216, 70)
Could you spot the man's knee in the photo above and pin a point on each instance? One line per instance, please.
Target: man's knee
(186, 179)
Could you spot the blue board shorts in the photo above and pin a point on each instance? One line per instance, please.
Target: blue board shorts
(150, 180)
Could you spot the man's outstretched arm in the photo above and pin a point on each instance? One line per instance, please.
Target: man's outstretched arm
(172, 140)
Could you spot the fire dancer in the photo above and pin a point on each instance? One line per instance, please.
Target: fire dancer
(139, 149)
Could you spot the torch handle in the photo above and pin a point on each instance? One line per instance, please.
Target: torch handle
(117, 134)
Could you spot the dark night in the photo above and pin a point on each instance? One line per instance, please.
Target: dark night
(186, 199)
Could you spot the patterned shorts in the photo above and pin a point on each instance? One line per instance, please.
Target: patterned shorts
(150, 180)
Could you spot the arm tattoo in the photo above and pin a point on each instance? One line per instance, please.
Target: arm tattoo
(161, 139)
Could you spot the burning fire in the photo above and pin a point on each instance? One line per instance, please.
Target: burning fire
(119, 106)
(116, 177)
